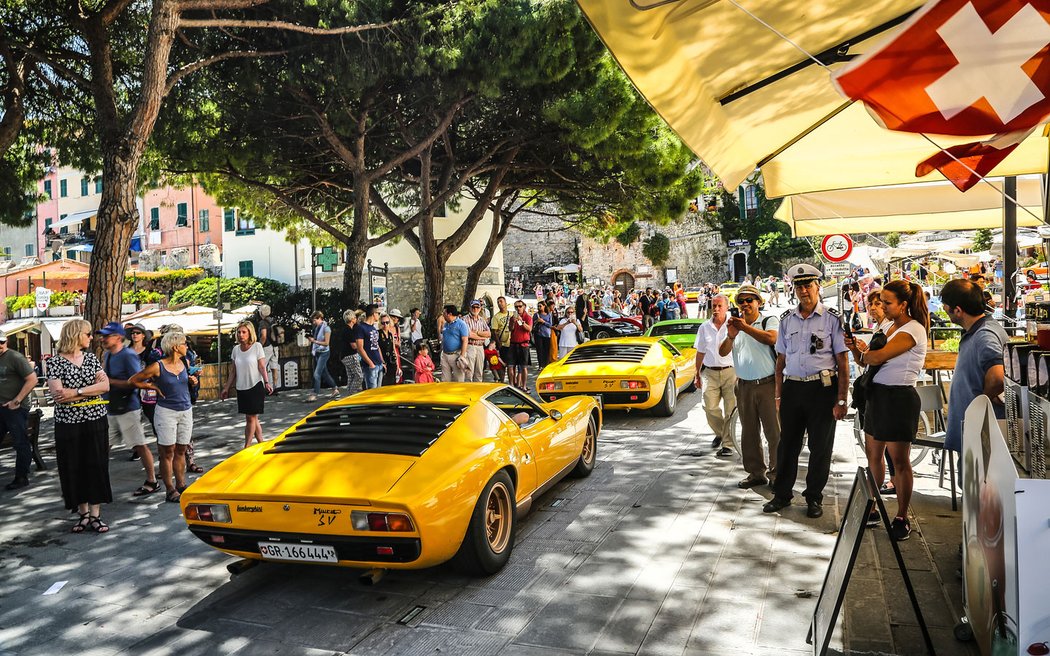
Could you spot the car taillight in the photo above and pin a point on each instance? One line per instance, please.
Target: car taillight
(632, 384)
(372, 521)
(550, 387)
(208, 512)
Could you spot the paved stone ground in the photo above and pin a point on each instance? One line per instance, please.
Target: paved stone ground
(657, 552)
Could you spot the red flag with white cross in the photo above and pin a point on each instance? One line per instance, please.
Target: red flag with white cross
(961, 67)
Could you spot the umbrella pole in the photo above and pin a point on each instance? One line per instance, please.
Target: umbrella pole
(1009, 243)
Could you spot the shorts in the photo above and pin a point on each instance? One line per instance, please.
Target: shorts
(173, 426)
(891, 412)
(128, 426)
(519, 355)
(271, 355)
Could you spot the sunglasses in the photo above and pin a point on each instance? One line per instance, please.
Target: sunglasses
(814, 344)
(519, 306)
(746, 299)
(386, 323)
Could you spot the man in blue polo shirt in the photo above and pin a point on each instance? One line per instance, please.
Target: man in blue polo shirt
(454, 342)
(979, 367)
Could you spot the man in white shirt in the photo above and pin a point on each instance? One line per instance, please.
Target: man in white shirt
(715, 375)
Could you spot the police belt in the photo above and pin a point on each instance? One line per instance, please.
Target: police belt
(806, 379)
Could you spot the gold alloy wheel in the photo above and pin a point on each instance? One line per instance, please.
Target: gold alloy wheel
(588, 447)
(497, 517)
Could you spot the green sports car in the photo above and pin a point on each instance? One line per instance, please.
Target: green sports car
(680, 332)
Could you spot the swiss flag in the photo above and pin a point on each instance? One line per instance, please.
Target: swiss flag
(961, 67)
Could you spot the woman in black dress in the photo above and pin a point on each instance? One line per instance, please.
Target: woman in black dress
(389, 347)
(77, 382)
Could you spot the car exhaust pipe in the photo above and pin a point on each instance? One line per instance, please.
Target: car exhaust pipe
(372, 576)
(241, 566)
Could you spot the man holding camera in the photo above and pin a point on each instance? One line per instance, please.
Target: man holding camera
(751, 339)
(812, 379)
(715, 375)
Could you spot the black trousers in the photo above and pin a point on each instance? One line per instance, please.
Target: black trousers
(806, 408)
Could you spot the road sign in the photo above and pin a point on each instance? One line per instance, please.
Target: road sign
(43, 298)
(327, 259)
(837, 269)
(738, 243)
(836, 248)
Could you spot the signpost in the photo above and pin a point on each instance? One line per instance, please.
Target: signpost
(836, 248)
(43, 298)
(837, 269)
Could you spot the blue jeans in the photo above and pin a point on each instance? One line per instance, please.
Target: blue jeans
(321, 371)
(14, 422)
(373, 376)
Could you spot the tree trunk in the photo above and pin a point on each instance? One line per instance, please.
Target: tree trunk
(475, 270)
(356, 255)
(433, 282)
(117, 219)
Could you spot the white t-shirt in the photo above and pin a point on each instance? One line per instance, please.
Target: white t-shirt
(567, 337)
(904, 369)
(247, 363)
(707, 341)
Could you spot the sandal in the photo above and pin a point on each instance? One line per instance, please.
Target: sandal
(82, 524)
(172, 496)
(149, 487)
(180, 488)
(194, 468)
(97, 525)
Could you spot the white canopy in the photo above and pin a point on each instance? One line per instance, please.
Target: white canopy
(195, 320)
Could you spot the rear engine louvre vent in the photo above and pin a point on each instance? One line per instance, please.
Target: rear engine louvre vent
(608, 353)
(401, 429)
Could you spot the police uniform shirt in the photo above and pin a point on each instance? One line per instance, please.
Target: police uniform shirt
(822, 329)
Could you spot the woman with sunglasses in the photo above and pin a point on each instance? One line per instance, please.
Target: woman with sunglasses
(891, 415)
(390, 347)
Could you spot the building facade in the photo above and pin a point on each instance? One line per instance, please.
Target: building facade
(177, 222)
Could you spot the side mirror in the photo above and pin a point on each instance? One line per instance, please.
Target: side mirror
(555, 415)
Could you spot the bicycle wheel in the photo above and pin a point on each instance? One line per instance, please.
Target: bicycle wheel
(918, 454)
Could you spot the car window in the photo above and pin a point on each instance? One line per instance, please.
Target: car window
(511, 402)
(674, 329)
(670, 348)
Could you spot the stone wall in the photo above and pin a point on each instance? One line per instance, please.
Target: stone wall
(536, 242)
(405, 286)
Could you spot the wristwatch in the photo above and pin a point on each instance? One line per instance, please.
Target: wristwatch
(80, 391)
(841, 402)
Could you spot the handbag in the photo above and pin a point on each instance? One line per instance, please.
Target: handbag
(864, 381)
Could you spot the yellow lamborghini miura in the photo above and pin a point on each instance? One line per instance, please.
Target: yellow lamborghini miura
(404, 477)
(627, 372)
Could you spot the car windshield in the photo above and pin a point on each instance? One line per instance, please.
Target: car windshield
(660, 330)
(512, 403)
(612, 314)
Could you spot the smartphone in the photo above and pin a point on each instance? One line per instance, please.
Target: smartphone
(195, 369)
(849, 332)
(734, 312)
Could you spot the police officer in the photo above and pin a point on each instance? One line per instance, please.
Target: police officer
(812, 378)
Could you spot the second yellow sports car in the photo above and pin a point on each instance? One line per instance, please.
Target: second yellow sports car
(628, 372)
(406, 476)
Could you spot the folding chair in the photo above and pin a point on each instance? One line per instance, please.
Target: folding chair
(931, 399)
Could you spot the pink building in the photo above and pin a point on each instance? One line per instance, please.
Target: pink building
(180, 218)
(66, 215)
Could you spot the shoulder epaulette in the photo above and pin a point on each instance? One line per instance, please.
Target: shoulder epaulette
(833, 311)
(786, 313)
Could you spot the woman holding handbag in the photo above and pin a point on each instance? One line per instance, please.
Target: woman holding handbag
(892, 405)
(570, 333)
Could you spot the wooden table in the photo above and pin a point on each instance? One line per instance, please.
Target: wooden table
(940, 360)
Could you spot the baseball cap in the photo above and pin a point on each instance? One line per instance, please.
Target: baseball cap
(396, 313)
(475, 303)
(111, 328)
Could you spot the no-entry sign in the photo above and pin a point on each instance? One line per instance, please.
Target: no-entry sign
(836, 248)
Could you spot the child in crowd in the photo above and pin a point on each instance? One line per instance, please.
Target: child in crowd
(494, 362)
(424, 365)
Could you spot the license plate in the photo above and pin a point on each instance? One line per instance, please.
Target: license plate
(306, 553)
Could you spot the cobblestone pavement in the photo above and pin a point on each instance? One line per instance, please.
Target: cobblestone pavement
(657, 552)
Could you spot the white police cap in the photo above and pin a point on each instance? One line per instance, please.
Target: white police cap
(803, 273)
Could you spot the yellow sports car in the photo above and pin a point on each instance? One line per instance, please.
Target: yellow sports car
(729, 289)
(405, 477)
(692, 294)
(626, 372)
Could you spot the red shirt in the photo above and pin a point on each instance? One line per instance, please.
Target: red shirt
(519, 334)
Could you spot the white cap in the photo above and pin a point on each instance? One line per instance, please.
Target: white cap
(264, 310)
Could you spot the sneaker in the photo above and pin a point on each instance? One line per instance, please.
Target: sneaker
(18, 483)
(311, 398)
(717, 442)
(134, 456)
(874, 518)
(724, 452)
(900, 529)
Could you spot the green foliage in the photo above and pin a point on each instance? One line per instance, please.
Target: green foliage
(893, 239)
(20, 168)
(982, 239)
(143, 296)
(657, 248)
(630, 234)
(293, 310)
(27, 301)
(235, 291)
(773, 247)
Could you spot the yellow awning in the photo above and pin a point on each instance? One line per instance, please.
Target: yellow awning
(742, 97)
(906, 208)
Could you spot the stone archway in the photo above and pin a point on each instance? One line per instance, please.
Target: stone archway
(623, 282)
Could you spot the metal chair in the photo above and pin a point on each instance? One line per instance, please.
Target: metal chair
(931, 399)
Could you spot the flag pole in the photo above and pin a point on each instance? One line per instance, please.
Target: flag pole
(1009, 243)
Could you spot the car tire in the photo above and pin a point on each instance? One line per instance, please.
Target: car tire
(602, 334)
(588, 453)
(490, 535)
(668, 403)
